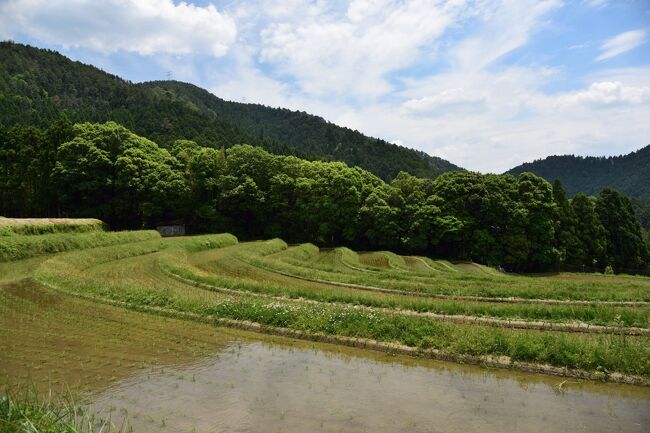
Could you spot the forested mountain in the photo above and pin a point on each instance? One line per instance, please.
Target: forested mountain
(629, 174)
(37, 86)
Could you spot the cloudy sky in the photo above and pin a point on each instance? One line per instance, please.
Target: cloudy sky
(487, 84)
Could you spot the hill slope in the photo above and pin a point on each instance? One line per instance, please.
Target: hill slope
(309, 134)
(37, 85)
(629, 174)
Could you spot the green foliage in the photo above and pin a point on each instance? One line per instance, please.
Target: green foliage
(590, 233)
(627, 173)
(567, 241)
(521, 224)
(37, 86)
(625, 245)
(641, 208)
(108, 171)
(27, 413)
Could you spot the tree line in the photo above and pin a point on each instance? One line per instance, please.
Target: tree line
(36, 86)
(106, 171)
(627, 173)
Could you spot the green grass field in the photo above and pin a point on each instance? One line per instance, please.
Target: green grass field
(464, 311)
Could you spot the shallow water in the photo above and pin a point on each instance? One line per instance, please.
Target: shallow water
(165, 375)
(254, 386)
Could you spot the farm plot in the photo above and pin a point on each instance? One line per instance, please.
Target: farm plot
(302, 292)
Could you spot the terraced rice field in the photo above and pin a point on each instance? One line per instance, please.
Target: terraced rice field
(65, 325)
(589, 326)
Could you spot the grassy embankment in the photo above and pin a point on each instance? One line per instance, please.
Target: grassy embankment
(191, 278)
(26, 238)
(465, 312)
(243, 268)
(42, 226)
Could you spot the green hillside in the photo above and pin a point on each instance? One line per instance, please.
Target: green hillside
(37, 86)
(629, 174)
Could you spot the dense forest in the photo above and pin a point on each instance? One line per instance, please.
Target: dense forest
(107, 171)
(627, 173)
(37, 86)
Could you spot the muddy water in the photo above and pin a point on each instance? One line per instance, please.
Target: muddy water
(49, 341)
(273, 387)
(173, 376)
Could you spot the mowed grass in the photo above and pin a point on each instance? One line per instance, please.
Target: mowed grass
(146, 275)
(455, 280)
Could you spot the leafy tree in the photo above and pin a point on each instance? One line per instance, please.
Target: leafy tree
(566, 239)
(429, 226)
(589, 232)
(625, 245)
(380, 221)
(108, 172)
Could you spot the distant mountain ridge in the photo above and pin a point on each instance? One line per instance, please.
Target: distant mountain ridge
(629, 174)
(38, 85)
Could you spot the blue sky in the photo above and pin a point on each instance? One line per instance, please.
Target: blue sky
(487, 84)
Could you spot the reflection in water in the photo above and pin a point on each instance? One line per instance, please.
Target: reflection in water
(145, 369)
(257, 387)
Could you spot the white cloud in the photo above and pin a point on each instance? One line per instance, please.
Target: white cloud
(621, 43)
(454, 101)
(142, 26)
(517, 121)
(243, 82)
(475, 112)
(506, 25)
(608, 93)
(351, 54)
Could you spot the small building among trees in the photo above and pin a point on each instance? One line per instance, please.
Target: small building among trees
(171, 228)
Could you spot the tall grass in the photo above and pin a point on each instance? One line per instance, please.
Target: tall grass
(21, 247)
(25, 412)
(42, 226)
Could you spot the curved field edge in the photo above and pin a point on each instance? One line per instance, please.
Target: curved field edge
(509, 300)
(558, 318)
(469, 285)
(42, 226)
(13, 248)
(629, 356)
(580, 327)
(502, 362)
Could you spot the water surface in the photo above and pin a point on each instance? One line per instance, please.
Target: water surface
(165, 375)
(253, 386)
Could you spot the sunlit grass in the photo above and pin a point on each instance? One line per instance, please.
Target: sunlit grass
(90, 273)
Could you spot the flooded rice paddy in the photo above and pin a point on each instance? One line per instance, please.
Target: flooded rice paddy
(164, 375)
